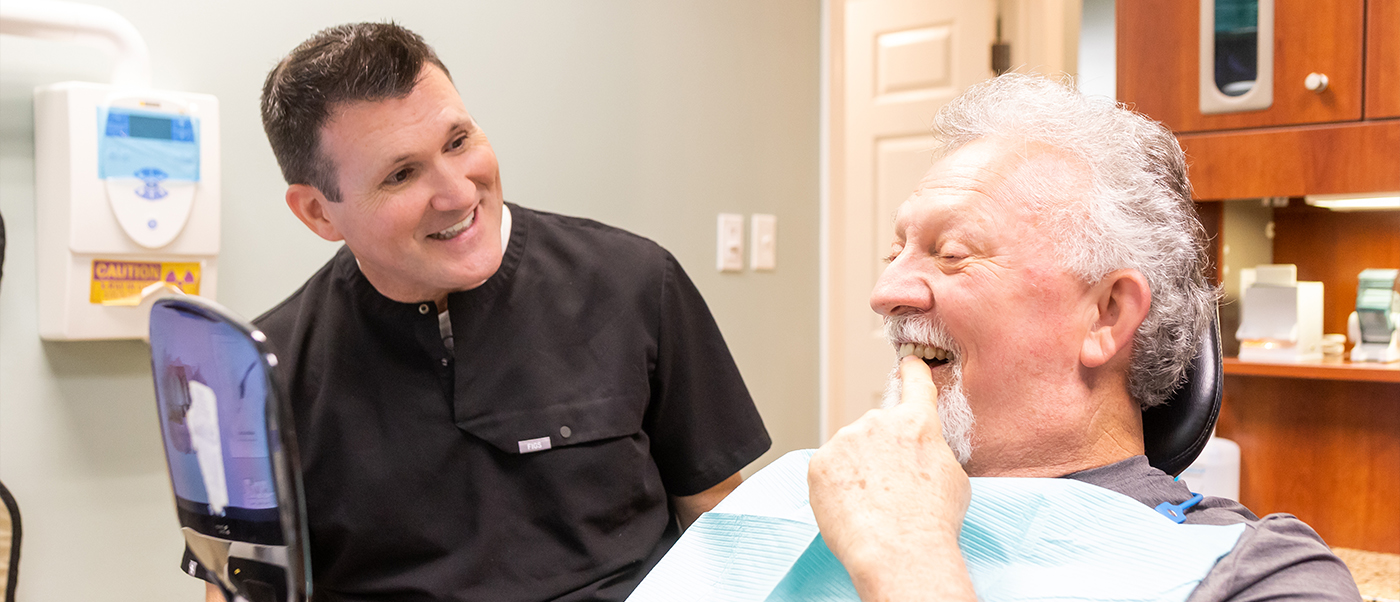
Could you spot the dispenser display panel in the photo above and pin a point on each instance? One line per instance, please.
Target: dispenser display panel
(150, 164)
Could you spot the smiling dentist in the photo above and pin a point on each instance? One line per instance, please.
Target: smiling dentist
(491, 402)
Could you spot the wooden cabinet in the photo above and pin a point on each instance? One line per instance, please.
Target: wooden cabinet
(1159, 63)
(1344, 139)
(1318, 441)
(1338, 158)
(1382, 59)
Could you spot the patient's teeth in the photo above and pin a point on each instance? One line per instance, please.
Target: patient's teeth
(942, 355)
(929, 352)
(905, 350)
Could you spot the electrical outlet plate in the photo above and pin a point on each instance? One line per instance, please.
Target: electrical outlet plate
(765, 242)
(730, 254)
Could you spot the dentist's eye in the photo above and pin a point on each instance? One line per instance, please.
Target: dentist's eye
(400, 176)
(460, 142)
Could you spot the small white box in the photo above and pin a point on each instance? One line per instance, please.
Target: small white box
(1280, 318)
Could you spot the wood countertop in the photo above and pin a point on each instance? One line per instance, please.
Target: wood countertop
(1377, 574)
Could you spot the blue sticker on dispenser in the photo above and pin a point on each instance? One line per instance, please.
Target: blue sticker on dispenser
(149, 146)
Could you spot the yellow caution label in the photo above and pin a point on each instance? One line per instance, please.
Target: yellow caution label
(125, 282)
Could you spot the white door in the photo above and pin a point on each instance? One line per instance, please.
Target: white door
(892, 64)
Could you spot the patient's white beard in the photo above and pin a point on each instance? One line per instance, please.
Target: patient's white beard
(954, 411)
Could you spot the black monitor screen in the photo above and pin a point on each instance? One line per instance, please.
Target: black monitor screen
(211, 391)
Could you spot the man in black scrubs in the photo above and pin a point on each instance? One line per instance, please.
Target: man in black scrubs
(491, 403)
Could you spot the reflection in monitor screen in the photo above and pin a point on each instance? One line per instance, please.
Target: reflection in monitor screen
(211, 391)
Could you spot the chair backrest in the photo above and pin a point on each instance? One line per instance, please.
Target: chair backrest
(10, 534)
(231, 450)
(1174, 433)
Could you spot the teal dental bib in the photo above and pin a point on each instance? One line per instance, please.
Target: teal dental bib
(1022, 539)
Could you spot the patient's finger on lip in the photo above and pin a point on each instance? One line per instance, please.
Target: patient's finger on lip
(917, 380)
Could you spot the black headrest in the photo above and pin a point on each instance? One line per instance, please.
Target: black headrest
(1174, 432)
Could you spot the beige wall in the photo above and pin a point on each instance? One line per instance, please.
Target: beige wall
(653, 116)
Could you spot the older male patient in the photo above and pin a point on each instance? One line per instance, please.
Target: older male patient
(1052, 258)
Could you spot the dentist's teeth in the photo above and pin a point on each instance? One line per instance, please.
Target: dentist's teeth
(456, 228)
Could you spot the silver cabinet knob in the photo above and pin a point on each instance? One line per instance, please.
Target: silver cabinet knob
(1316, 82)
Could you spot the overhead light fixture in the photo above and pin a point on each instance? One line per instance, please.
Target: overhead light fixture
(1376, 201)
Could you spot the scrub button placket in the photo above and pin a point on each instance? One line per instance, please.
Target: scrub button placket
(445, 362)
(423, 309)
(565, 432)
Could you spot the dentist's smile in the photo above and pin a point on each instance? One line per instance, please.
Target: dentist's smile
(455, 229)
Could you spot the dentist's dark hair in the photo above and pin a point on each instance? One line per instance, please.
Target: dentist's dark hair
(346, 63)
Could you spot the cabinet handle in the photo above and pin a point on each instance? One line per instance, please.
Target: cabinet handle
(1317, 82)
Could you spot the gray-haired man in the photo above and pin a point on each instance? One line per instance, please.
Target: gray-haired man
(1045, 285)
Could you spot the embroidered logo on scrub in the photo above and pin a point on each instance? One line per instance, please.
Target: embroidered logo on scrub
(534, 445)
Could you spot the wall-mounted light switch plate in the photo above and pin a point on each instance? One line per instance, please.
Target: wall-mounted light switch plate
(765, 242)
(731, 242)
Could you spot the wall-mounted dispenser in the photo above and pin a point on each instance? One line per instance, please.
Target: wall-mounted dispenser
(127, 188)
(126, 182)
(1237, 56)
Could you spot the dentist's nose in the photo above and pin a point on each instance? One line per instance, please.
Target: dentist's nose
(901, 290)
(452, 192)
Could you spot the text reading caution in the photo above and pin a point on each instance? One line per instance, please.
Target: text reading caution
(123, 282)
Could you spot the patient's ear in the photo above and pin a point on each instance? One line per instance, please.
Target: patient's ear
(1121, 301)
(313, 209)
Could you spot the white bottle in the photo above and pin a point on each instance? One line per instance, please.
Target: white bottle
(1216, 473)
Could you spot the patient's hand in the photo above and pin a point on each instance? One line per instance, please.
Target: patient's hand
(889, 497)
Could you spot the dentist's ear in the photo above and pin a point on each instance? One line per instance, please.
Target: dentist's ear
(313, 209)
(1121, 300)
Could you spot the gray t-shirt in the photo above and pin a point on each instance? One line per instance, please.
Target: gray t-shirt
(1278, 557)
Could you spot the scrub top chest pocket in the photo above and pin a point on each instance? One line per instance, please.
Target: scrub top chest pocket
(592, 452)
(559, 424)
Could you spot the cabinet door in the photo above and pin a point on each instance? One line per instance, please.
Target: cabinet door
(1382, 59)
(1159, 57)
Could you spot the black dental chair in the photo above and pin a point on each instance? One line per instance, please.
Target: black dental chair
(1174, 433)
(231, 452)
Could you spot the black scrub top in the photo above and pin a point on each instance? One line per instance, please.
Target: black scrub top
(589, 381)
